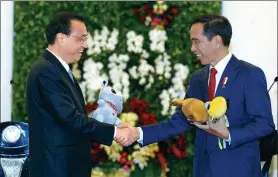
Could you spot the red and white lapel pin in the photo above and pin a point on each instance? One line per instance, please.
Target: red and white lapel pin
(224, 82)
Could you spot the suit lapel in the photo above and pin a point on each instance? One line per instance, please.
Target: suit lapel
(79, 91)
(204, 83)
(229, 73)
(65, 76)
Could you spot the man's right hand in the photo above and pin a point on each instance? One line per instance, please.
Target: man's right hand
(126, 134)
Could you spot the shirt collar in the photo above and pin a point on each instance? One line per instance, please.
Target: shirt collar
(65, 65)
(221, 65)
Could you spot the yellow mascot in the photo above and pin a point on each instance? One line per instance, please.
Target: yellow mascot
(198, 111)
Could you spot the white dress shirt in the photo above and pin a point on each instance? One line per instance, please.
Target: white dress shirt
(220, 67)
(66, 66)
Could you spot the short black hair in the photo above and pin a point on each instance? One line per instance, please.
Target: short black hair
(60, 23)
(216, 25)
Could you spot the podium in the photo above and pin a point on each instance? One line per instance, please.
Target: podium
(14, 149)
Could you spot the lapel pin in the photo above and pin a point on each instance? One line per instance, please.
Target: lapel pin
(224, 82)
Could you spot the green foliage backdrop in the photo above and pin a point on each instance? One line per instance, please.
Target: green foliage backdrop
(32, 17)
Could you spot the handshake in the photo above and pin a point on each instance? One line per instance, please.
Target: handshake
(126, 134)
(110, 104)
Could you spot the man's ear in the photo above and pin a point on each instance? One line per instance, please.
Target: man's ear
(60, 38)
(219, 41)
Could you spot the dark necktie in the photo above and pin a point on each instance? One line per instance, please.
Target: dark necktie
(71, 75)
(212, 83)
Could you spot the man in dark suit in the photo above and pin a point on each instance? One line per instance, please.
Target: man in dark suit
(249, 110)
(60, 130)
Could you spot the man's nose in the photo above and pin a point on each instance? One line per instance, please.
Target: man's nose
(193, 48)
(85, 45)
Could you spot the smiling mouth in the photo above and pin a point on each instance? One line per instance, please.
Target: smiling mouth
(198, 55)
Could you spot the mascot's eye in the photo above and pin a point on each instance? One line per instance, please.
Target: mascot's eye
(207, 105)
(113, 91)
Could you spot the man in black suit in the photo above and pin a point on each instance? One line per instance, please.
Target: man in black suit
(60, 130)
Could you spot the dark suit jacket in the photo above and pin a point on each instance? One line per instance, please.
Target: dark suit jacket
(60, 131)
(250, 118)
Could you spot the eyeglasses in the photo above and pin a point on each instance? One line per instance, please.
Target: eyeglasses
(81, 39)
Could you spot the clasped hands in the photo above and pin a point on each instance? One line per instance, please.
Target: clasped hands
(218, 128)
(126, 134)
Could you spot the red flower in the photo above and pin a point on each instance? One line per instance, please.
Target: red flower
(126, 168)
(156, 21)
(161, 19)
(147, 119)
(129, 163)
(174, 11)
(152, 116)
(142, 18)
(125, 162)
(162, 161)
(123, 158)
(179, 154)
(181, 142)
(136, 11)
(146, 8)
(91, 107)
(150, 13)
(165, 23)
(98, 154)
(170, 17)
(138, 106)
(179, 148)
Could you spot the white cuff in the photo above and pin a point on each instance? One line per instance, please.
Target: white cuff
(229, 140)
(140, 140)
(115, 132)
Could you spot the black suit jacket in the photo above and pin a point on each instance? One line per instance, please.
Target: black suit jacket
(60, 131)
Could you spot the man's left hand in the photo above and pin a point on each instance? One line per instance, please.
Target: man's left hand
(91, 114)
(218, 129)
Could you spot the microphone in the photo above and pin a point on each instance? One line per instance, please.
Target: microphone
(12, 84)
(268, 146)
(275, 80)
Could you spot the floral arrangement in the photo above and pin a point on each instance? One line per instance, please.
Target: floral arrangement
(143, 73)
(133, 77)
(129, 157)
(143, 48)
(157, 16)
(140, 70)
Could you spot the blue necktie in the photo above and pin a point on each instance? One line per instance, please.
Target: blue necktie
(71, 75)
